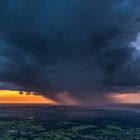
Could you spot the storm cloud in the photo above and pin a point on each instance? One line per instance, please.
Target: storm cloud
(85, 48)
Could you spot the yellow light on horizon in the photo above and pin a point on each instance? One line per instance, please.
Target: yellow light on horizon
(13, 97)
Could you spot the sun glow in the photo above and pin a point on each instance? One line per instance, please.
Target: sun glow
(127, 97)
(13, 97)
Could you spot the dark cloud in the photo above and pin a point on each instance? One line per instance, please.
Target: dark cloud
(82, 47)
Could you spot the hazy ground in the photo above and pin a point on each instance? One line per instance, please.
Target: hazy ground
(44, 122)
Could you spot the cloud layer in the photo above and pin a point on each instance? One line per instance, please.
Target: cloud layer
(84, 48)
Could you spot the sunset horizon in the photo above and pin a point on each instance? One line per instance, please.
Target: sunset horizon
(14, 97)
(69, 69)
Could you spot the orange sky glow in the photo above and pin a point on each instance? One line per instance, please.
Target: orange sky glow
(127, 97)
(13, 97)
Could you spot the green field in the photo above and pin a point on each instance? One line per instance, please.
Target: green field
(31, 129)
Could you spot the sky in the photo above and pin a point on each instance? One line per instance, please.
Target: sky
(13, 97)
(71, 51)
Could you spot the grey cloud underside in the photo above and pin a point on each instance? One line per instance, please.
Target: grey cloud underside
(80, 46)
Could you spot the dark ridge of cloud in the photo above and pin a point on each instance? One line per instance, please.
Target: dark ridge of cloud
(80, 47)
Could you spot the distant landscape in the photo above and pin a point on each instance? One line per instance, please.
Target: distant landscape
(47, 122)
(69, 69)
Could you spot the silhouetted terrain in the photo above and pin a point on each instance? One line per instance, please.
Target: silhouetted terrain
(131, 107)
